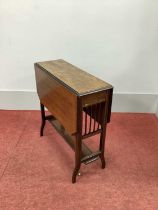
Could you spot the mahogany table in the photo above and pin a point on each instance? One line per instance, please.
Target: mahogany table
(80, 107)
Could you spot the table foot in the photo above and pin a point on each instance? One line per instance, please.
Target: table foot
(75, 173)
(42, 128)
(102, 158)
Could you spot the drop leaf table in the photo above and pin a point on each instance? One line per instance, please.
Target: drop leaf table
(80, 107)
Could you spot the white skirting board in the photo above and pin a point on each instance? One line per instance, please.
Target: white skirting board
(122, 102)
(130, 102)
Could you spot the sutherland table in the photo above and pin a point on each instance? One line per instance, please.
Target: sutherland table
(80, 105)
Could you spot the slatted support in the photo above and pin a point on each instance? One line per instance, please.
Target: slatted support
(92, 123)
(92, 119)
(87, 155)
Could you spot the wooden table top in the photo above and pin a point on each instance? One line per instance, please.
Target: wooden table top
(76, 79)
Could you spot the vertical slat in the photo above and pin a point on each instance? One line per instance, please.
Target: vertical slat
(86, 121)
(90, 123)
(95, 116)
(92, 118)
(98, 112)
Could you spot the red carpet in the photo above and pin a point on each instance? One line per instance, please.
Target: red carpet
(35, 172)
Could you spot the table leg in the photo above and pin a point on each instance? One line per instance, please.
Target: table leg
(103, 132)
(78, 148)
(102, 146)
(43, 119)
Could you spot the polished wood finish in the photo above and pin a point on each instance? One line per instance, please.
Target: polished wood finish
(78, 80)
(78, 140)
(85, 152)
(58, 99)
(80, 105)
(43, 119)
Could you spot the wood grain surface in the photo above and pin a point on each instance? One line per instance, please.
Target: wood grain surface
(78, 80)
(58, 99)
